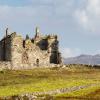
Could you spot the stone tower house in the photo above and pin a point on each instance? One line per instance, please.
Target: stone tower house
(38, 51)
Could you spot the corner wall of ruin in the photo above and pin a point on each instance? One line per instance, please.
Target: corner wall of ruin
(8, 48)
(5, 49)
(53, 48)
(1, 50)
(16, 50)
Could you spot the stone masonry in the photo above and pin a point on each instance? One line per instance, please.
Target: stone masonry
(20, 53)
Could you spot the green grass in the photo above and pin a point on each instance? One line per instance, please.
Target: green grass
(45, 79)
(91, 93)
(82, 92)
(44, 85)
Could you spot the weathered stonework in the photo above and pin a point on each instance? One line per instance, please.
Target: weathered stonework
(39, 51)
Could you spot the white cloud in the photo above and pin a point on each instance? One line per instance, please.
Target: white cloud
(22, 18)
(89, 16)
(45, 13)
(97, 52)
(82, 17)
(70, 52)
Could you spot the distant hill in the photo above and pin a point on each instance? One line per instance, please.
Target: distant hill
(83, 59)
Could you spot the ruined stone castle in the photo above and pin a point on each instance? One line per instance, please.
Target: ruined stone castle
(38, 51)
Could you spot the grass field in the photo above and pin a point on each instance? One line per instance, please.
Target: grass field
(46, 79)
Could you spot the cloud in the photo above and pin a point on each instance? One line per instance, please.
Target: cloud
(68, 18)
(22, 18)
(48, 14)
(70, 52)
(89, 16)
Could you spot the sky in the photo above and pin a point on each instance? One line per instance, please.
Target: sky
(76, 22)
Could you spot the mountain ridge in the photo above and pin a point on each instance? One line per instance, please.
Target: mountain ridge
(83, 59)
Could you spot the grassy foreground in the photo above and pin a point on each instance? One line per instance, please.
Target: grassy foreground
(45, 79)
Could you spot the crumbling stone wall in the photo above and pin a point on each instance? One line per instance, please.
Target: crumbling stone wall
(5, 65)
(1, 50)
(28, 53)
(16, 50)
(5, 49)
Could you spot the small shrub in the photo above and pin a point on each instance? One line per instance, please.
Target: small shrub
(2, 71)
